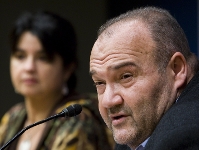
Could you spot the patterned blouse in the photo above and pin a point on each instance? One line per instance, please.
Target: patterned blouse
(86, 131)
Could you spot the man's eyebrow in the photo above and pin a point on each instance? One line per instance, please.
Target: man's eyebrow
(115, 67)
(124, 64)
(92, 72)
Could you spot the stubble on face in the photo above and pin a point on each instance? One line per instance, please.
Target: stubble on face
(147, 105)
(131, 122)
(140, 125)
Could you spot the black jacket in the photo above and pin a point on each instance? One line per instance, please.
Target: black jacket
(179, 127)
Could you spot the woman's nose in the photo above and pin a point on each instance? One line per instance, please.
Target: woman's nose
(29, 64)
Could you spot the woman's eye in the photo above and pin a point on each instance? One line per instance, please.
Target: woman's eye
(19, 55)
(42, 56)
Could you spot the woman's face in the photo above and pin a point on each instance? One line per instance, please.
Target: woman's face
(32, 73)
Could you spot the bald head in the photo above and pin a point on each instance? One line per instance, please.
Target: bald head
(133, 33)
(164, 29)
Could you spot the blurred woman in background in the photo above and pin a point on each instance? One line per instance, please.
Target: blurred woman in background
(42, 64)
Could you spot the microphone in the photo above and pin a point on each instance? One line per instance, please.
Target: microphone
(70, 111)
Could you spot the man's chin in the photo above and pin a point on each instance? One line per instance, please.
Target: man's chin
(120, 136)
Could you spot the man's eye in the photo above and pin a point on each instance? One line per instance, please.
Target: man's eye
(100, 86)
(125, 76)
(98, 83)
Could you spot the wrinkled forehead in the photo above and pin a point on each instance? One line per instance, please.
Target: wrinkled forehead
(131, 36)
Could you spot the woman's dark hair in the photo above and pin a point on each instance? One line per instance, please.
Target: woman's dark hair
(55, 33)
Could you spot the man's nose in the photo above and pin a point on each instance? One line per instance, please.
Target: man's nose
(111, 97)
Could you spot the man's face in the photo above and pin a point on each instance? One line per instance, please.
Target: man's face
(132, 94)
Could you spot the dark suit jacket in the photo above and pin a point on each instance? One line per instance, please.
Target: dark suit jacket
(179, 127)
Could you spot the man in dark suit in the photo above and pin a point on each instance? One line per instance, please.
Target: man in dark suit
(146, 80)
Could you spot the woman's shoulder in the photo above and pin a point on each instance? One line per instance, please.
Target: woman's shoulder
(88, 102)
(10, 119)
(15, 111)
(88, 127)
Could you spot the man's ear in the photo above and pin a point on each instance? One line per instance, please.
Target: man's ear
(178, 66)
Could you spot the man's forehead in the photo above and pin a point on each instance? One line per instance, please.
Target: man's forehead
(114, 67)
(132, 33)
(123, 26)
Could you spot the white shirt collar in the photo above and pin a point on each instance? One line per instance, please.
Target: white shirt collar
(143, 144)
